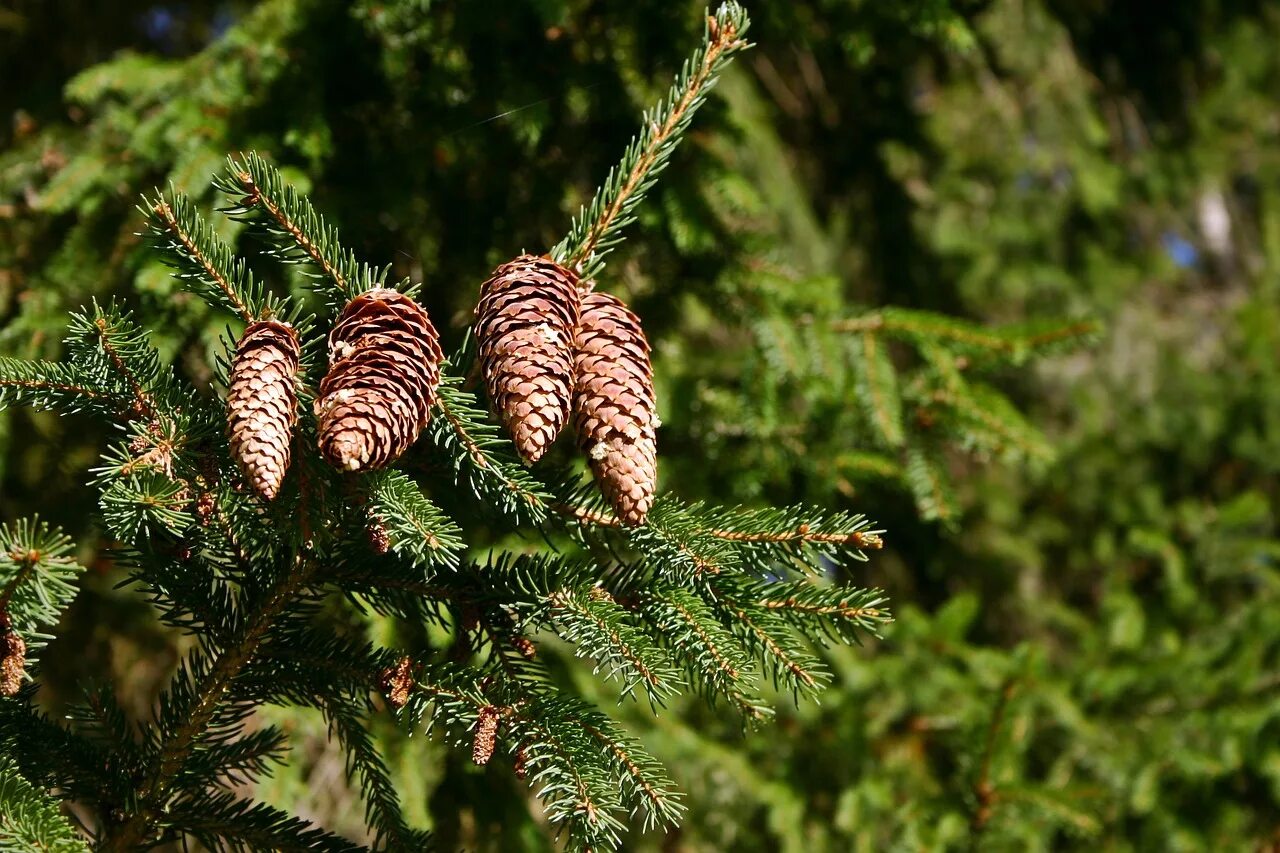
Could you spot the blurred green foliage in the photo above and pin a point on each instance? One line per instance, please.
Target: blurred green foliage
(1091, 655)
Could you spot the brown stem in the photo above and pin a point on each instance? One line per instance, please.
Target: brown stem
(53, 386)
(857, 538)
(772, 645)
(842, 609)
(477, 453)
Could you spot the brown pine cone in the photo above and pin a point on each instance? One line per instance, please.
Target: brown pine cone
(262, 403)
(384, 366)
(614, 409)
(13, 658)
(486, 737)
(525, 322)
(396, 683)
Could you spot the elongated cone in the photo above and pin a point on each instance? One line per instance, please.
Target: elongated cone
(525, 322)
(486, 736)
(384, 367)
(262, 405)
(614, 409)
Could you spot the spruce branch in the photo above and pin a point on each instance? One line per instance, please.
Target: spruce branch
(770, 638)
(298, 233)
(715, 662)
(202, 259)
(601, 629)
(415, 527)
(597, 227)
(108, 348)
(37, 578)
(193, 713)
(222, 821)
(1012, 343)
(31, 820)
(51, 385)
(482, 457)
(877, 387)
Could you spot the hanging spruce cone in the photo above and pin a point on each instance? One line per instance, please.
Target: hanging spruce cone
(13, 658)
(396, 682)
(614, 410)
(486, 737)
(262, 403)
(525, 321)
(384, 366)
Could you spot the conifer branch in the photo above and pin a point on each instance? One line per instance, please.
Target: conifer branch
(50, 385)
(922, 327)
(596, 229)
(38, 576)
(141, 399)
(598, 626)
(298, 232)
(138, 825)
(483, 458)
(29, 819)
(201, 257)
(878, 388)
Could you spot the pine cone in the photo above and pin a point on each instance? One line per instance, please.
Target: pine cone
(262, 403)
(13, 658)
(486, 737)
(525, 322)
(396, 682)
(614, 409)
(384, 366)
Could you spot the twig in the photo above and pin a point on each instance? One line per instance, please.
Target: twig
(256, 197)
(141, 401)
(154, 792)
(165, 213)
(723, 38)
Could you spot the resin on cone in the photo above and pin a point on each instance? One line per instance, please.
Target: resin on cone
(262, 403)
(614, 409)
(384, 367)
(525, 322)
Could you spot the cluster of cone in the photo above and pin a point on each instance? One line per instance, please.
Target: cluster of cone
(384, 366)
(549, 353)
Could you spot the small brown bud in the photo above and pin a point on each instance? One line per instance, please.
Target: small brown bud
(379, 539)
(521, 765)
(524, 646)
(205, 506)
(396, 682)
(13, 658)
(486, 735)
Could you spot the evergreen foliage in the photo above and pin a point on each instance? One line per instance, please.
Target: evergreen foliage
(847, 274)
(248, 581)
